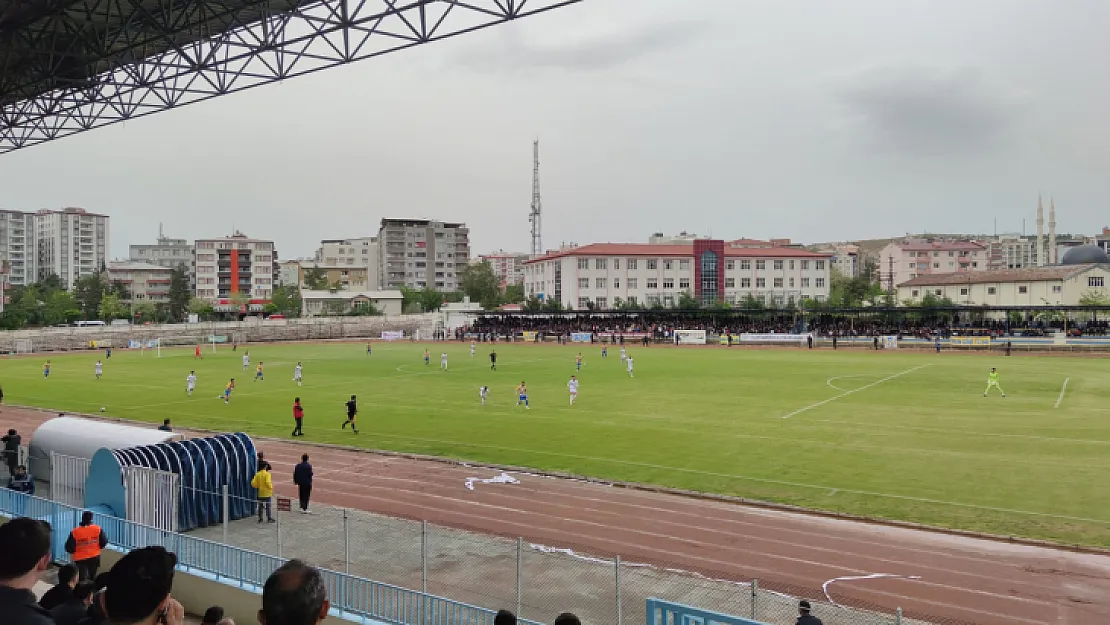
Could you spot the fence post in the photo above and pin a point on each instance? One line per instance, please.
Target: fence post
(424, 556)
(617, 581)
(519, 557)
(755, 595)
(277, 517)
(898, 617)
(346, 544)
(227, 510)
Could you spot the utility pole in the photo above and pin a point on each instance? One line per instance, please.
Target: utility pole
(890, 275)
(535, 215)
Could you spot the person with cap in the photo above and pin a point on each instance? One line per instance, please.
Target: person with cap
(85, 543)
(804, 617)
(25, 549)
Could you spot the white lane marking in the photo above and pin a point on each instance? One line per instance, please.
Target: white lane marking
(844, 377)
(856, 578)
(851, 392)
(1062, 389)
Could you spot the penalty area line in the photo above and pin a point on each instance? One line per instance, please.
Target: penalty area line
(853, 391)
(1062, 389)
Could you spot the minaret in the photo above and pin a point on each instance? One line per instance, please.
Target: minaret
(1052, 231)
(1040, 232)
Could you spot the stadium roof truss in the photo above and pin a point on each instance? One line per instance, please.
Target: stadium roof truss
(67, 66)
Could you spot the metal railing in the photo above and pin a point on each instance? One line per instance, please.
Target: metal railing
(249, 569)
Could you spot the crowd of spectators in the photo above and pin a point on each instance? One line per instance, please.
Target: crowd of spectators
(661, 325)
(138, 589)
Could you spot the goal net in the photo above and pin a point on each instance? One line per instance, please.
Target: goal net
(23, 346)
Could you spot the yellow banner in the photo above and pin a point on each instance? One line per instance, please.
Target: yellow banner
(528, 336)
(975, 341)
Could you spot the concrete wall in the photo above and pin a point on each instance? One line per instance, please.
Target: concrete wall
(198, 592)
(314, 329)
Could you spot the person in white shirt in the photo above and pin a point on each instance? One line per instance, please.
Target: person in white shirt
(246, 360)
(572, 386)
(99, 369)
(624, 356)
(483, 392)
(191, 383)
(443, 361)
(472, 348)
(297, 374)
(630, 367)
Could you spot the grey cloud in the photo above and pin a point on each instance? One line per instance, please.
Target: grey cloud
(919, 110)
(600, 52)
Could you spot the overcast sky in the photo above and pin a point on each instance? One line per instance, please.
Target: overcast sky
(810, 120)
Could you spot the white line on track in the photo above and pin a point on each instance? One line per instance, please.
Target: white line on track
(851, 392)
(1062, 389)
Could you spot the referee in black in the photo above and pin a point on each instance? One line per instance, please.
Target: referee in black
(493, 360)
(302, 477)
(352, 412)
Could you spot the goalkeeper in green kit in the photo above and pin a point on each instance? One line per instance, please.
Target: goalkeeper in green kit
(992, 382)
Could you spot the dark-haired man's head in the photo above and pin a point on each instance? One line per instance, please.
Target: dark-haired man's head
(67, 575)
(83, 592)
(11, 432)
(566, 618)
(213, 615)
(294, 594)
(139, 586)
(504, 617)
(24, 552)
(304, 457)
(86, 517)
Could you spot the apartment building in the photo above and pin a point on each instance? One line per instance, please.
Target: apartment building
(508, 267)
(345, 277)
(167, 252)
(145, 282)
(70, 243)
(606, 274)
(354, 257)
(236, 264)
(419, 253)
(901, 261)
(17, 246)
(844, 258)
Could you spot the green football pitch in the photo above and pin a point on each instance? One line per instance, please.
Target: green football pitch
(897, 435)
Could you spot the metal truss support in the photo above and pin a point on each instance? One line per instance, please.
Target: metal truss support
(193, 65)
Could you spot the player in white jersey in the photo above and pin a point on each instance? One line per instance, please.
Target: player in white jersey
(624, 355)
(572, 386)
(246, 360)
(630, 367)
(472, 348)
(297, 374)
(443, 361)
(99, 369)
(483, 392)
(191, 383)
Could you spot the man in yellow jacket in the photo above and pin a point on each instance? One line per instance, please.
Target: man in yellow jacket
(84, 544)
(265, 485)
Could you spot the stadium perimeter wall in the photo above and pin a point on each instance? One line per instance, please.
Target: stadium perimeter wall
(249, 331)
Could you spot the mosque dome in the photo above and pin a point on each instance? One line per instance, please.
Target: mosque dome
(1083, 255)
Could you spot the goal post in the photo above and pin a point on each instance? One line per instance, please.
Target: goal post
(24, 346)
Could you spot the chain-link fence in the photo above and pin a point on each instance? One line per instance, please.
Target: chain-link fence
(535, 581)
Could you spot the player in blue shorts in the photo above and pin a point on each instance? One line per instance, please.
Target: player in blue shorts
(46, 370)
(604, 351)
(427, 358)
(522, 395)
(227, 390)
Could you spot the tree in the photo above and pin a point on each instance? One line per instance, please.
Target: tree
(145, 311)
(286, 300)
(751, 302)
(315, 279)
(514, 294)
(88, 290)
(430, 299)
(552, 305)
(533, 304)
(179, 293)
(336, 286)
(60, 307)
(120, 290)
(200, 307)
(686, 301)
(50, 283)
(111, 308)
(480, 284)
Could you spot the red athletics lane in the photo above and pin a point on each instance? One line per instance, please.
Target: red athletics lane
(961, 579)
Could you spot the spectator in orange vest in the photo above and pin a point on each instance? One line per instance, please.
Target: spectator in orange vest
(85, 543)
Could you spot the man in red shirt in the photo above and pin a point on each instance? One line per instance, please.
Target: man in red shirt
(196, 353)
(298, 416)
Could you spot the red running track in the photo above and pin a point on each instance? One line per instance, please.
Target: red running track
(962, 579)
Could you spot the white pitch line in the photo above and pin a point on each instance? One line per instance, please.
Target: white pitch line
(1062, 389)
(847, 393)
